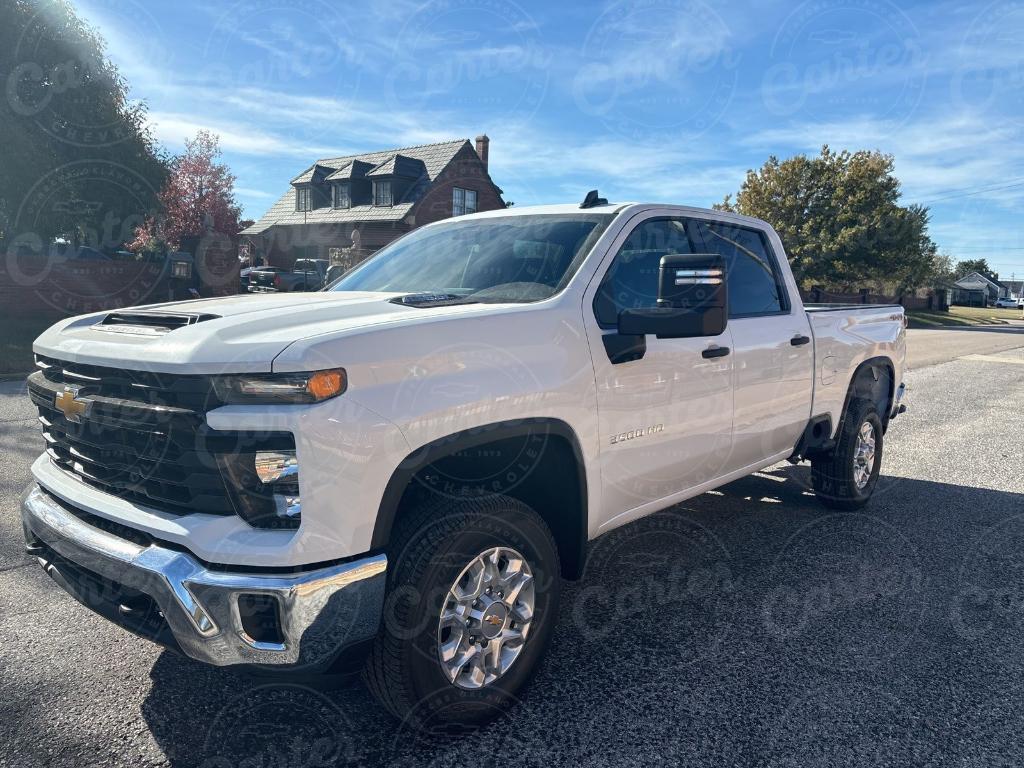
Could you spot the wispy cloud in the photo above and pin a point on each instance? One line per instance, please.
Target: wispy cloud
(173, 128)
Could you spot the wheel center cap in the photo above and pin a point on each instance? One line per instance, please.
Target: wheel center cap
(493, 620)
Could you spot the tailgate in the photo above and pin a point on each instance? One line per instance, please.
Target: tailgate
(265, 279)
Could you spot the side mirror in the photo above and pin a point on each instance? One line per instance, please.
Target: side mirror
(692, 300)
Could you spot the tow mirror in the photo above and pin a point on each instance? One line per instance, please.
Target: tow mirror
(692, 300)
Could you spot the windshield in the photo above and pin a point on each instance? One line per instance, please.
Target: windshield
(503, 259)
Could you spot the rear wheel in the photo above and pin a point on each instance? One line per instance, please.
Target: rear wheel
(845, 477)
(473, 590)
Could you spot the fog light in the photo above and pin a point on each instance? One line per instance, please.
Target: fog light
(264, 487)
(277, 466)
(288, 507)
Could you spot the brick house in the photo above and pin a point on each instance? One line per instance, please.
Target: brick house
(346, 208)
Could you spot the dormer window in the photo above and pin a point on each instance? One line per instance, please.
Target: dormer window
(303, 199)
(382, 193)
(463, 201)
(342, 196)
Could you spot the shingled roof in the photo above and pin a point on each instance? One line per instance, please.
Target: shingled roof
(431, 159)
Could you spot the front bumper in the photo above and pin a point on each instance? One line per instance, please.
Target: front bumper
(168, 596)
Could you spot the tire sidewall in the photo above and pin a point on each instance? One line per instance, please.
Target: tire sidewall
(867, 414)
(504, 524)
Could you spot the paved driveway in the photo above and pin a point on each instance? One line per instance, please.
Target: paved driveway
(747, 627)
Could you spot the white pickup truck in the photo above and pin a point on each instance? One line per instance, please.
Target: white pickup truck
(397, 472)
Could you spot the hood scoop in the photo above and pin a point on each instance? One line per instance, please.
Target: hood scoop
(422, 300)
(149, 323)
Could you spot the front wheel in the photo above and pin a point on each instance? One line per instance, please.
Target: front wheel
(846, 476)
(473, 588)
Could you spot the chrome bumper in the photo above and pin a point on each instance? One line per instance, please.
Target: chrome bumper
(170, 597)
(899, 405)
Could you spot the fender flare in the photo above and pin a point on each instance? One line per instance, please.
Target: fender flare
(474, 437)
(871, 363)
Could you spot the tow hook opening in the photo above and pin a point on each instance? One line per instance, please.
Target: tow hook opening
(260, 616)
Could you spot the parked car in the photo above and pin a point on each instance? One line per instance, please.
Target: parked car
(1004, 303)
(245, 276)
(305, 275)
(401, 471)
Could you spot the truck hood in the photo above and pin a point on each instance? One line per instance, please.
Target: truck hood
(231, 334)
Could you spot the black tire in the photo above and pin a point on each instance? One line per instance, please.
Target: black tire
(431, 545)
(832, 473)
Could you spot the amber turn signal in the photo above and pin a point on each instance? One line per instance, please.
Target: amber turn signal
(325, 384)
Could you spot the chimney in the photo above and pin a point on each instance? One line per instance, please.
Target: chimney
(482, 144)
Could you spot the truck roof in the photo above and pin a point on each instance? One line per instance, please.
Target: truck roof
(627, 207)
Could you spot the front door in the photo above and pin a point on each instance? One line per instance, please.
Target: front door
(665, 419)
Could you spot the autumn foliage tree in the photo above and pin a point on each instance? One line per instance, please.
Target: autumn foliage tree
(197, 200)
(840, 218)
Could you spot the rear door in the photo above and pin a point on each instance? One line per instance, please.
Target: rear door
(666, 418)
(773, 352)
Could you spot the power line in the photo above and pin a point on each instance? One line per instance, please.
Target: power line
(981, 191)
(972, 187)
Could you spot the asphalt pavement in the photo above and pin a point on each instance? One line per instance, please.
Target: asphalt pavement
(749, 626)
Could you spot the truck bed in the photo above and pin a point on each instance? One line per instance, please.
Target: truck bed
(837, 307)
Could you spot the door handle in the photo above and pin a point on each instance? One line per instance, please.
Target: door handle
(799, 340)
(711, 352)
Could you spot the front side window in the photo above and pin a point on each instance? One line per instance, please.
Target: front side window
(503, 259)
(463, 201)
(342, 199)
(631, 281)
(302, 199)
(382, 193)
(753, 280)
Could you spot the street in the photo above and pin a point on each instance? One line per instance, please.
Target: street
(748, 626)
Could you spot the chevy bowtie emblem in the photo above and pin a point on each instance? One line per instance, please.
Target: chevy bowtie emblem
(493, 620)
(70, 405)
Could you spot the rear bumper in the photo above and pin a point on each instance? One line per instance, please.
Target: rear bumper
(299, 621)
(899, 402)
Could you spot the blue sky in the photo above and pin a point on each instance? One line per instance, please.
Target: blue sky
(645, 99)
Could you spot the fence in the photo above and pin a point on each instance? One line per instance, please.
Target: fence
(36, 289)
(934, 300)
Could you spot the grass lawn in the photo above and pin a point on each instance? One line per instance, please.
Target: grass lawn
(962, 316)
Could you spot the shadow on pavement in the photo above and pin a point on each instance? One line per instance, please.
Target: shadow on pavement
(749, 626)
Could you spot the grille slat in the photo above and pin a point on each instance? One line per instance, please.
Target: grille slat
(144, 437)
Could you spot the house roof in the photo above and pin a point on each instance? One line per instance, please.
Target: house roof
(307, 175)
(430, 158)
(974, 278)
(400, 165)
(972, 285)
(354, 170)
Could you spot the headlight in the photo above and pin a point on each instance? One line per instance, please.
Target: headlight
(273, 388)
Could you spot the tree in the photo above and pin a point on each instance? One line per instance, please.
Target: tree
(78, 159)
(839, 217)
(198, 199)
(974, 265)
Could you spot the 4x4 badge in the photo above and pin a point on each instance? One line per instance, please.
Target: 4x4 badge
(68, 403)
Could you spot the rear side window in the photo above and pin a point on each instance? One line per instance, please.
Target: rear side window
(755, 285)
(632, 279)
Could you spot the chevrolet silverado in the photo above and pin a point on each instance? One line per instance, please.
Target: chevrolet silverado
(397, 473)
